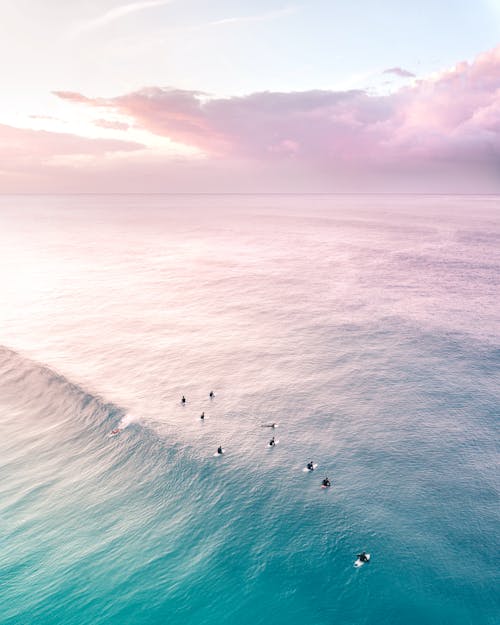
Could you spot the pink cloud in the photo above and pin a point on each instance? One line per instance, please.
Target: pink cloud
(451, 117)
(28, 157)
(252, 125)
(441, 133)
(73, 96)
(24, 142)
(46, 117)
(114, 125)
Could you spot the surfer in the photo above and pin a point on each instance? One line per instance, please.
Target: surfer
(202, 416)
(272, 442)
(183, 400)
(220, 450)
(363, 557)
(310, 466)
(211, 395)
(270, 425)
(326, 482)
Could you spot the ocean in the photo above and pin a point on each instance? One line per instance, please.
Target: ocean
(366, 326)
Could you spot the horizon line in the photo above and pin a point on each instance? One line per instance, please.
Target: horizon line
(84, 193)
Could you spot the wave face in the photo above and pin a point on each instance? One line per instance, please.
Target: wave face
(366, 327)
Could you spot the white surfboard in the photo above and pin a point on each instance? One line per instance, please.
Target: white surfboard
(359, 562)
(306, 470)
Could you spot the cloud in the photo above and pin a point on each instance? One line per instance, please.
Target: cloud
(453, 117)
(121, 11)
(399, 71)
(24, 151)
(441, 134)
(78, 98)
(45, 143)
(263, 17)
(112, 124)
(46, 117)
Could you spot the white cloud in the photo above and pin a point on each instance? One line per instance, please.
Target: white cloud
(270, 15)
(121, 11)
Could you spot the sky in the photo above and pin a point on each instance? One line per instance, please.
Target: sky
(231, 96)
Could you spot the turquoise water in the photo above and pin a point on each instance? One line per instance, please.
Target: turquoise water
(367, 326)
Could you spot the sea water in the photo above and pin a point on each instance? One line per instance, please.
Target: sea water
(366, 326)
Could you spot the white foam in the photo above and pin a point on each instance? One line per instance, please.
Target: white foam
(127, 420)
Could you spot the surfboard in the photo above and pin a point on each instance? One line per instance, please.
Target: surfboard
(359, 562)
